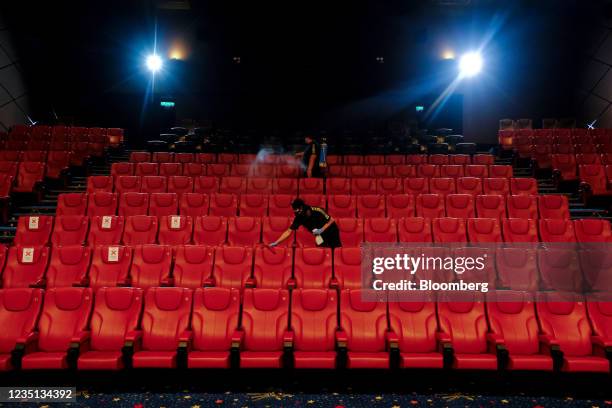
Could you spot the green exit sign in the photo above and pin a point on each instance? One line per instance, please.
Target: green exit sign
(167, 104)
(419, 108)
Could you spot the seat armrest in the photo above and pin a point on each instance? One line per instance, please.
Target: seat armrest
(168, 281)
(288, 339)
(82, 283)
(41, 284)
(133, 337)
(334, 283)
(209, 282)
(250, 283)
(79, 339)
(237, 339)
(291, 283)
(443, 337)
(185, 338)
(392, 340)
(601, 342)
(495, 338)
(27, 340)
(341, 339)
(548, 340)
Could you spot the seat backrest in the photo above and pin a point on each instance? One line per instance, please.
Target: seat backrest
(560, 269)
(192, 265)
(253, 205)
(490, 206)
(102, 203)
(449, 229)
(33, 230)
(414, 229)
(99, 183)
(140, 229)
(400, 205)
(206, 158)
(522, 206)
(310, 186)
(162, 204)
(356, 170)
(416, 185)
(363, 185)
(133, 204)
(556, 230)
(313, 268)
(465, 322)
(194, 204)
(215, 318)
(442, 186)
(517, 268)
(595, 176)
(452, 170)
(116, 312)
(387, 186)
(415, 325)
(127, 184)
(175, 230)
(150, 265)
(273, 267)
(280, 205)
(503, 171)
(347, 267)
(147, 169)
(338, 185)
(365, 323)
(196, 170)
(19, 310)
(404, 171)
(265, 315)
(170, 169)
(272, 227)
(285, 186)
(496, 186)
(180, 185)
(107, 229)
(243, 231)
(524, 186)
(592, 230)
(460, 159)
(25, 266)
(225, 205)
(600, 313)
(428, 170)
(314, 319)
(233, 266)
(351, 231)
(210, 230)
(476, 170)
(122, 169)
(519, 230)
(430, 206)
(139, 157)
(460, 206)
(166, 316)
(71, 204)
(69, 266)
(553, 206)
(259, 185)
(206, 184)
(484, 230)
(154, 184)
(232, 185)
(469, 185)
(110, 266)
(70, 230)
(65, 313)
(342, 206)
(380, 230)
(370, 206)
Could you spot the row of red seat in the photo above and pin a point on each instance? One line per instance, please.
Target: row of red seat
(38, 133)
(68, 155)
(348, 159)
(310, 328)
(338, 205)
(566, 166)
(294, 171)
(595, 180)
(511, 138)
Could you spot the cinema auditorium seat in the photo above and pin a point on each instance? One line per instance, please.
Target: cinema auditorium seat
(110, 266)
(29, 176)
(154, 184)
(341, 206)
(253, 205)
(68, 267)
(70, 230)
(416, 186)
(601, 318)
(25, 266)
(522, 206)
(99, 183)
(430, 206)
(362, 186)
(192, 265)
(490, 206)
(243, 231)
(122, 169)
(162, 204)
(564, 167)
(499, 186)
(170, 169)
(403, 171)
(232, 185)
(414, 229)
(71, 204)
(400, 205)
(553, 206)
(519, 230)
(105, 230)
(442, 186)
(428, 171)
(347, 268)
(128, 184)
(205, 184)
(449, 230)
(194, 204)
(463, 328)
(33, 230)
(180, 185)
(500, 171)
(380, 230)
(484, 230)
(351, 231)
(592, 230)
(140, 229)
(312, 268)
(232, 267)
(469, 185)
(517, 268)
(273, 227)
(175, 230)
(310, 186)
(524, 186)
(460, 206)
(115, 318)
(279, 205)
(476, 170)
(102, 204)
(272, 267)
(483, 159)
(140, 157)
(362, 337)
(210, 230)
(19, 310)
(451, 170)
(559, 269)
(264, 328)
(313, 328)
(151, 266)
(387, 186)
(165, 324)
(225, 205)
(567, 333)
(147, 169)
(413, 331)
(370, 206)
(287, 186)
(556, 230)
(133, 204)
(61, 329)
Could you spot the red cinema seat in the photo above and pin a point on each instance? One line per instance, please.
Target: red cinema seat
(165, 324)
(264, 327)
(9, 168)
(140, 229)
(370, 206)
(395, 159)
(476, 170)
(58, 163)
(374, 159)
(162, 204)
(438, 159)
(357, 171)
(273, 227)
(312, 268)
(469, 185)
(416, 159)
(541, 155)
(195, 170)
(554, 230)
(338, 185)
(210, 230)
(484, 230)
(490, 206)
(361, 186)
(69, 266)
(524, 186)
(218, 170)
(428, 171)
(363, 331)
(514, 327)
(351, 231)
(520, 230)
(133, 204)
(592, 230)
(29, 175)
(593, 179)
(285, 186)
(565, 327)
(139, 157)
(272, 267)
(232, 185)
(449, 230)
(243, 231)
(175, 230)
(101, 203)
(19, 310)
(147, 169)
(151, 266)
(310, 186)
(517, 268)
(564, 167)
(99, 183)
(460, 206)
(452, 171)
(342, 206)
(61, 327)
(34, 156)
(313, 327)
(402, 171)
(194, 204)
(416, 186)
(430, 206)
(413, 327)
(522, 206)
(180, 185)
(128, 184)
(227, 158)
(33, 230)
(400, 205)
(381, 171)
(347, 268)
(560, 269)
(184, 158)
(414, 229)
(215, 317)
(259, 185)
(206, 158)
(170, 169)
(105, 230)
(225, 205)
(70, 230)
(122, 169)
(280, 205)
(500, 171)
(498, 186)
(154, 184)
(600, 313)
(460, 159)
(288, 171)
(380, 230)
(192, 265)
(389, 186)
(11, 155)
(115, 317)
(442, 186)
(253, 205)
(464, 327)
(553, 206)
(263, 170)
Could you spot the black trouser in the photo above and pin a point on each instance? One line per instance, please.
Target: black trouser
(331, 237)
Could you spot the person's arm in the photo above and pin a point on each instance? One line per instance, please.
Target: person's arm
(326, 226)
(311, 163)
(282, 237)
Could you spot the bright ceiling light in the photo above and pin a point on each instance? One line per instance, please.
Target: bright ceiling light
(154, 63)
(470, 64)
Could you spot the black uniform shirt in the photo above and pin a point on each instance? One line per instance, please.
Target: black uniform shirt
(312, 149)
(317, 219)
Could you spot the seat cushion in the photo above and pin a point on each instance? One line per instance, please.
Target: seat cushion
(587, 363)
(422, 360)
(5, 362)
(260, 359)
(152, 359)
(368, 360)
(100, 360)
(532, 362)
(476, 361)
(206, 359)
(314, 359)
(42, 361)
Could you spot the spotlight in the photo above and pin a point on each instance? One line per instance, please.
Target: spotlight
(470, 64)
(154, 63)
